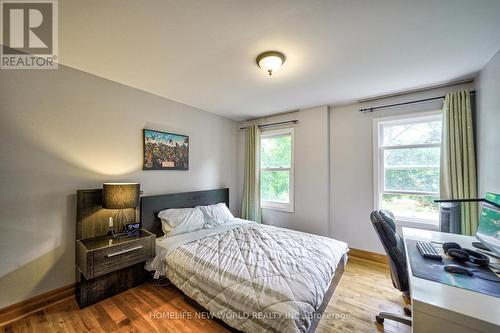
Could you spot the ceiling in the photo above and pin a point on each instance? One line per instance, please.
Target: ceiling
(202, 52)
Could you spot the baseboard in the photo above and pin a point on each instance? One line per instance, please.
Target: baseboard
(16, 311)
(367, 255)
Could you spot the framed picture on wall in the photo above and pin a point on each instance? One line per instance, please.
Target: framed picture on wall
(165, 151)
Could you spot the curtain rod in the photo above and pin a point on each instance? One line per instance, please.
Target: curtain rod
(416, 90)
(295, 121)
(375, 108)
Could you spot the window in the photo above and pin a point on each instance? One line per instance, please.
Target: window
(276, 169)
(406, 166)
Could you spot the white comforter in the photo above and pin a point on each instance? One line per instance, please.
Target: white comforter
(254, 277)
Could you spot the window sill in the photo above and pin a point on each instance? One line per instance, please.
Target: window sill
(279, 207)
(426, 225)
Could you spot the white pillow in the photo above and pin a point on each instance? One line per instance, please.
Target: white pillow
(216, 214)
(176, 221)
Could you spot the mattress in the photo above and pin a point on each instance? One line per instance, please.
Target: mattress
(254, 277)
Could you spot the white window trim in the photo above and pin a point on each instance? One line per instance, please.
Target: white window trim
(378, 170)
(282, 206)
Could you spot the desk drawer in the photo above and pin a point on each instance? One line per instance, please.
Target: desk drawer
(112, 258)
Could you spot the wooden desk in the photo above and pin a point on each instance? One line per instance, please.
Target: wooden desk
(439, 307)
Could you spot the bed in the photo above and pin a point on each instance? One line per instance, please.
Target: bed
(253, 277)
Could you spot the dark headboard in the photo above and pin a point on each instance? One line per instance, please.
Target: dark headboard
(151, 205)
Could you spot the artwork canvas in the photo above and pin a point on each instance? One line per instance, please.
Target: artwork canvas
(165, 151)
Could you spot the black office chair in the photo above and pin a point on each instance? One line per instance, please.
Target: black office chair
(383, 221)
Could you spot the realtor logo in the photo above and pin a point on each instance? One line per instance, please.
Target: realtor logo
(29, 34)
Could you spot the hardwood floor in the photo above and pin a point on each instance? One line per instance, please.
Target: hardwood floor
(364, 290)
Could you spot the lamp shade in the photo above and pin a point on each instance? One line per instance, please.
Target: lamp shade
(120, 195)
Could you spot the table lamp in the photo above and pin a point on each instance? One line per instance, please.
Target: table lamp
(120, 196)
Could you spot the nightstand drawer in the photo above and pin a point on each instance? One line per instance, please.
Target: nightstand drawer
(100, 255)
(112, 258)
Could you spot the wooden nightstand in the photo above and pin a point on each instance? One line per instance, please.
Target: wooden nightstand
(108, 265)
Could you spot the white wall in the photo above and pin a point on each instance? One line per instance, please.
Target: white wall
(488, 126)
(335, 148)
(311, 172)
(63, 130)
(352, 165)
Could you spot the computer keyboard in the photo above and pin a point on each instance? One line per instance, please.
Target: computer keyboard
(428, 251)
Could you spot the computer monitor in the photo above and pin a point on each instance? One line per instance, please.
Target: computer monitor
(488, 231)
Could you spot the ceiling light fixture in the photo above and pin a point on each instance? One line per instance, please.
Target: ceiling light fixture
(270, 61)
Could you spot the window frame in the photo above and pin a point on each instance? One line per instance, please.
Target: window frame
(378, 163)
(275, 205)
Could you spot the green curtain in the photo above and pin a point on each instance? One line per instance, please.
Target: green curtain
(458, 158)
(250, 206)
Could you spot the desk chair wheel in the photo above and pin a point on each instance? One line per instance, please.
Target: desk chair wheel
(392, 316)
